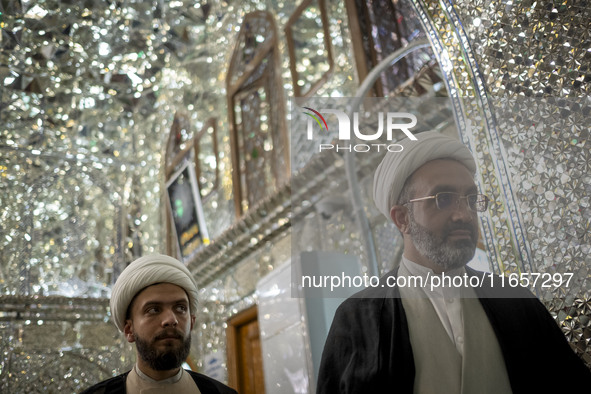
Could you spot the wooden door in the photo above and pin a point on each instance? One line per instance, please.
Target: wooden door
(245, 359)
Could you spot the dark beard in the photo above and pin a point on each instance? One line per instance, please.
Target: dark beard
(166, 360)
(439, 250)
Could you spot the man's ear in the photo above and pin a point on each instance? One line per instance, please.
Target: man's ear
(128, 331)
(192, 321)
(401, 218)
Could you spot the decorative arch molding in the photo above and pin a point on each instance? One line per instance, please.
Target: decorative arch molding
(256, 112)
(503, 228)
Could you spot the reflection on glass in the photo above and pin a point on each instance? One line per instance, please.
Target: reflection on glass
(309, 46)
(206, 151)
(257, 117)
(255, 146)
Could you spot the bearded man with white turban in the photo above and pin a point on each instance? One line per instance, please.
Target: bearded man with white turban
(153, 303)
(401, 337)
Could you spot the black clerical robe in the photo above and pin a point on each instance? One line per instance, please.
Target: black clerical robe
(368, 347)
(116, 385)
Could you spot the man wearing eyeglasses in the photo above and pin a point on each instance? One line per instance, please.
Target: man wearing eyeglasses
(460, 336)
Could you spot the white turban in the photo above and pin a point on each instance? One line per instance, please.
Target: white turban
(146, 271)
(396, 167)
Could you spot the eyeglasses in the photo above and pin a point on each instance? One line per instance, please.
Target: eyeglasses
(450, 200)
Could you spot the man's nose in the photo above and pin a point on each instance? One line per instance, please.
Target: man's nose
(462, 211)
(169, 318)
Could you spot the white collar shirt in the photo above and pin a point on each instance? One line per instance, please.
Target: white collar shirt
(446, 300)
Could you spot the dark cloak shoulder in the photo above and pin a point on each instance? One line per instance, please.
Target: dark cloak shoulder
(368, 346)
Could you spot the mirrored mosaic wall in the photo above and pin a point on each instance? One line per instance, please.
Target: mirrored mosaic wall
(90, 93)
(90, 90)
(534, 55)
(58, 344)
